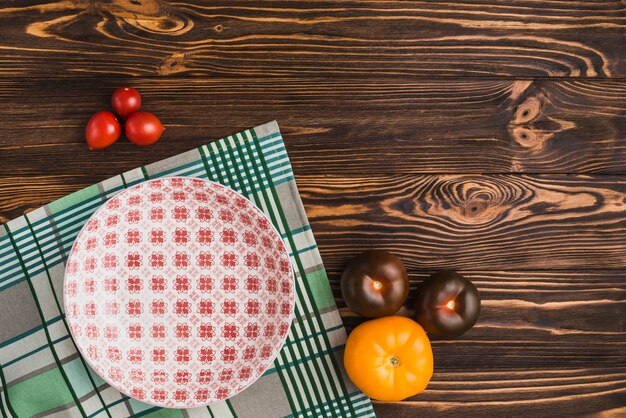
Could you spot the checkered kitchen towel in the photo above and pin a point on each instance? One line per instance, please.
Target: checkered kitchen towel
(41, 371)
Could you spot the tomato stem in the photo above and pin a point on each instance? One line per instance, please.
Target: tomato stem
(394, 361)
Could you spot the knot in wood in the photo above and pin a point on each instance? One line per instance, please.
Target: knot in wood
(530, 138)
(163, 25)
(471, 201)
(527, 111)
(175, 63)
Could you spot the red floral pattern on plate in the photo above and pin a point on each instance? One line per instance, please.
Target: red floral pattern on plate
(179, 293)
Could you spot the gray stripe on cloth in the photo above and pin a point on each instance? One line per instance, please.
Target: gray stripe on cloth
(43, 369)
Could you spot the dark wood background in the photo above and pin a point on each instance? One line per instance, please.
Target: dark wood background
(484, 136)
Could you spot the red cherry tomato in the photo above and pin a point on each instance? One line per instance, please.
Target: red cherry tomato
(125, 101)
(102, 130)
(143, 128)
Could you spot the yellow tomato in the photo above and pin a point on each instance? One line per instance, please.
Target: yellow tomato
(389, 358)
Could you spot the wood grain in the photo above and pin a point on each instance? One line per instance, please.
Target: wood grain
(61, 38)
(545, 342)
(472, 221)
(439, 221)
(582, 392)
(425, 126)
(20, 195)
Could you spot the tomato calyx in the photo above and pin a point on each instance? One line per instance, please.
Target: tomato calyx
(394, 361)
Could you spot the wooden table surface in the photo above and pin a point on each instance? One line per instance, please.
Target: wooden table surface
(489, 137)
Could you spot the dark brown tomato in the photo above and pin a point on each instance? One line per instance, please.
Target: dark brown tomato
(447, 304)
(375, 284)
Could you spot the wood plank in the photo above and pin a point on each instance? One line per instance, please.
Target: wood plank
(471, 221)
(545, 342)
(59, 38)
(20, 195)
(437, 221)
(359, 126)
(599, 394)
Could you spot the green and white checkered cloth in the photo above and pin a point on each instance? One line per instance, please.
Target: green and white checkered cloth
(41, 371)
